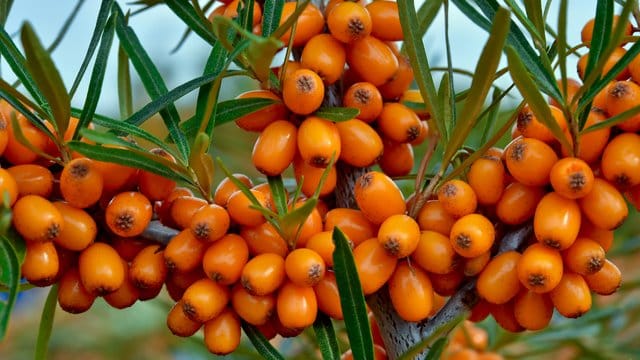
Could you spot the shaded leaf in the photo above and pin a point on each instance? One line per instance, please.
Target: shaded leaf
(271, 16)
(291, 223)
(9, 276)
(337, 113)
(22, 109)
(351, 298)
(278, 192)
(17, 63)
(125, 93)
(326, 337)
(18, 96)
(262, 345)
(46, 323)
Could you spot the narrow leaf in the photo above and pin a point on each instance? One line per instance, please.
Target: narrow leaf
(351, 298)
(201, 164)
(46, 323)
(337, 113)
(291, 223)
(10, 90)
(614, 120)
(436, 349)
(101, 21)
(601, 32)
(97, 78)
(135, 131)
(17, 62)
(430, 341)
(9, 276)
(262, 345)
(326, 337)
(47, 78)
(22, 109)
(534, 98)
(125, 93)
(282, 29)
(271, 16)
(427, 13)
(480, 85)
(5, 8)
(189, 16)
(279, 193)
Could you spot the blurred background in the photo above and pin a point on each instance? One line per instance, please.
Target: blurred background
(140, 331)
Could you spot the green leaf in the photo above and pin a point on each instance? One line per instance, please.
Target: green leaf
(427, 13)
(534, 98)
(436, 349)
(5, 8)
(17, 63)
(262, 345)
(125, 93)
(562, 49)
(282, 29)
(97, 78)
(19, 107)
(136, 159)
(47, 78)
(271, 16)
(9, 276)
(291, 223)
(215, 65)
(202, 164)
(601, 32)
(108, 138)
(126, 128)
(614, 120)
(534, 13)
(10, 90)
(337, 113)
(480, 85)
(46, 323)
(101, 21)
(430, 342)
(152, 81)
(326, 337)
(188, 15)
(351, 298)
(419, 62)
(276, 185)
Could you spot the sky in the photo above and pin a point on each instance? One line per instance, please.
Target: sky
(159, 31)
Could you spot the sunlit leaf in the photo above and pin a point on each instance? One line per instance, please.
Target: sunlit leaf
(352, 301)
(262, 345)
(201, 163)
(46, 323)
(125, 93)
(337, 113)
(279, 193)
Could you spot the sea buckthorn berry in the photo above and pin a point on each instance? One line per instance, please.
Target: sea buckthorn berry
(378, 197)
(413, 96)
(540, 268)
(556, 222)
(224, 259)
(518, 203)
(498, 282)
(210, 222)
(4, 131)
(72, 295)
(586, 34)
(401, 80)
(352, 222)
(606, 281)
(263, 239)
(309, 23)
(504, 315)
(17, 153)
(411, 292)
(571, 178)
(397, 158)
(275, 148)
(399, 123)
(573, 86)
(310, 177)
(153, 186)
(375, 330)
(360, 144)
(204, 299)
(604, 206)
(621, 160)
(177, 281)
(254, 309)
(374, 265)
(487, 178)
(613, 59)
(533, 311)
(126, 295)
(37, 219)
(447, 284)
(370, 53)
(40, 266)
(101, 269)
(231, 11)
(474, 266)
(530, 161)
(385, 20)
(263, 274)
(179, 324)
(311, 225)
(324, 55)
(79, 229)
(530, 127)
(472, 235)
(222, 333)
(480, 311)
(322, 244)
(318, 141)
(297, 306)
(184, 252)
(240, 210)
(128, 214)
(304, 267)
(349, 21)
(226, 188)
(434, 253)
(182, 209)
(128, 248)
(623, 96)
(258, 120)
(592, 143)
(32, 179)
(633, 196)
(148, 269)
(584, 257)
(115, 177)
(601, 236)
(433, 216)
(8, 185)
(572, 297)
(366, 98)
(457, 198)
(303, 92)
(399, 235)
(328, 296)
(81, 183)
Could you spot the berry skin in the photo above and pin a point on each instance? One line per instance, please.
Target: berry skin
(556, 222)
(128, 214)
(378, 197)
(399, 235)
(472, 235)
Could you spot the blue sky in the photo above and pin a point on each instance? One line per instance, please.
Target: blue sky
(159, 31)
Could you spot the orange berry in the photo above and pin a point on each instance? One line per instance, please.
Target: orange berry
(263, 274)
(318, 141)
(128, 214)
(504, 315)
(378, 197)
(592, 143)
(81, 183)
(275, 148)
(433, 216)
(258, 120)
(222, 333)
(328, 296)
(374, 265)
(148, 269)
(254, 309)
(556, 222)
(231, 11)
(297, 306)
(447, 284)
(360, 144)
(370, 53)
(204, 299)
(571, 178)
(399, 123)
(179, 324)
(601, 236)
(210, 223)
(325, 56)
(572, 297)
(182, 209)
(586, 33)
(224, 259)
(606, 281)
(353, 223)
(304, 267)
(540, 268)
(184, 252)
(613, 59)
(309, 23)
(530, 161)
(584, 257)
(518, 203)
(399, 235)
(366, 98)
(533, 311)
(487, 178)
(8, 185)
(472, 235)
(264, 238)
(529, 125)
(115, 177)
(40, 266)
(126, 295)
(620, 163)
(385, 20)
(32, 179)
(153, 186)
(498, 282)
(474, 266)
(17, 153)
(101, 269)
(457, 198)
(322, 244)
(72, 295)
(434, 253)
(303, 92)
(349, 21)
(37, 219)
(397, 158)
(240, 210)
(80, 229)
(411, 292)
(310, 176)
(623, 96)
(604, 206)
